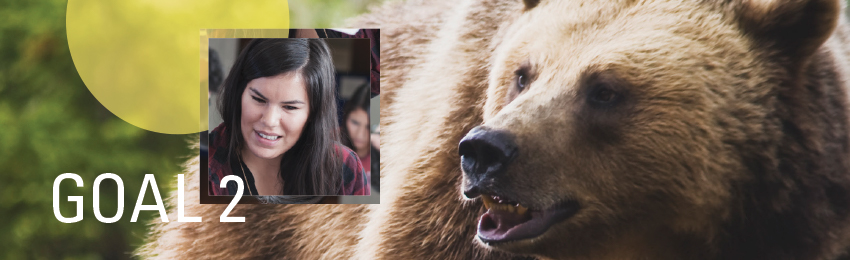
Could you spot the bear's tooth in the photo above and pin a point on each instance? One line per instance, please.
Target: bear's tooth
(521, 210)
(488, 202)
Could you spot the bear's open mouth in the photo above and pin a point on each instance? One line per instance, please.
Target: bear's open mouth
(507, 221)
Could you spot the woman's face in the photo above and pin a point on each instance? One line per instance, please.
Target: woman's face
(358, 129)
(274, 111)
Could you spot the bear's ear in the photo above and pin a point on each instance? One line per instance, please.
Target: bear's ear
(795, 27)
(529, 4)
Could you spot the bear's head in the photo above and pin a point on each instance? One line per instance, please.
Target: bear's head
(619, 127)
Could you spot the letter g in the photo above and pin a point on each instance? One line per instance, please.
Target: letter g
(77, 199)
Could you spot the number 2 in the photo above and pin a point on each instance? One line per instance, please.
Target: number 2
(224, 217)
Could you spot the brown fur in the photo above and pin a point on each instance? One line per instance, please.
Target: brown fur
(725, 145)
(735, 140)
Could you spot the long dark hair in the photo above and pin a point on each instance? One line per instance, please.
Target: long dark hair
(311, 166)
(360, 99)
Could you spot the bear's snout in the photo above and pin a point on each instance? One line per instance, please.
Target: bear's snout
(484, 154)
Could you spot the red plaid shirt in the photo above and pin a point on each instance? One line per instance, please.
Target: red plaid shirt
(354, 181)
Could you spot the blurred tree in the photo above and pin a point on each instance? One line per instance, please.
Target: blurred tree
(51, 124)
(326, 13)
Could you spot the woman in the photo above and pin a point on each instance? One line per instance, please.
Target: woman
(279, 132)
(356, 134)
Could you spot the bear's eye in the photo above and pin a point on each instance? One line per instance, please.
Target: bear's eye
(523, 77)
(603, 95)
(521, 81)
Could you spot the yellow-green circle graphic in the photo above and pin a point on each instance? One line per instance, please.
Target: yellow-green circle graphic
(140, 58)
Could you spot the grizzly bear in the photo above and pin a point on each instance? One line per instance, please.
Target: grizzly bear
(583, 130)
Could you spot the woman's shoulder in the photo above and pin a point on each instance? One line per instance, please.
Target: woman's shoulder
(344, 152)
(218, 163)
(349, 159)
(216, 135)
(353, 175)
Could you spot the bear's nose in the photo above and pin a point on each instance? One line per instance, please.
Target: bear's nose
(485, 153)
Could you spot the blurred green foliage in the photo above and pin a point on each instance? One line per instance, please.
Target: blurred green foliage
(326, 13)
(51, 124)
